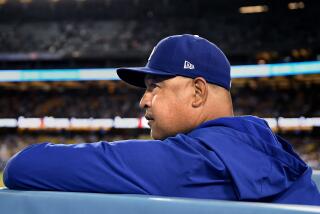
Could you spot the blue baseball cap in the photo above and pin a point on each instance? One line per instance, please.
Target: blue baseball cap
(182, 55)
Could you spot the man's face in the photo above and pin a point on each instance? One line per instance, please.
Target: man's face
(167, 102)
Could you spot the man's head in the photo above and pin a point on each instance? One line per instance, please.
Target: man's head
(187, 81)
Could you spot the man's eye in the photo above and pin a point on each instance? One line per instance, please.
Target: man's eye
(154, 85)
(151, 86)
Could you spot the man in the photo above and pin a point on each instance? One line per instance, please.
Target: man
(200, 150)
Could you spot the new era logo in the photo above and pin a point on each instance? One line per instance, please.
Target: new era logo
(188, 65)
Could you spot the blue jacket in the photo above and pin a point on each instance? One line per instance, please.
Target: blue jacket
(232, 158)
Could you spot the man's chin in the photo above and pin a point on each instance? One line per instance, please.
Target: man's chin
(157, 136)
(154, 135)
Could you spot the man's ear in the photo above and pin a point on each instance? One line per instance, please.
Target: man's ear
(200, 91)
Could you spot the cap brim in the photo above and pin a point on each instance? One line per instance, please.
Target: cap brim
(135, 75)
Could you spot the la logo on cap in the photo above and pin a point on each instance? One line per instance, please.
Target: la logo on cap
(188, 65)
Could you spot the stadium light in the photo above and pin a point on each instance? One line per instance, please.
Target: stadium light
(2, 2)
(254, 9)
(295, 5)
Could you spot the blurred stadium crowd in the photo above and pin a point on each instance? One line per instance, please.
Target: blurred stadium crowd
(118, 99)
(234, 34)
(106, 102)
(117, 33)
(114, 33)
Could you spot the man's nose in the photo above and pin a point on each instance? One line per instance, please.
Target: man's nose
(145, 101)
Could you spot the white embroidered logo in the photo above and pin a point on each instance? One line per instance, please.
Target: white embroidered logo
(188, 65)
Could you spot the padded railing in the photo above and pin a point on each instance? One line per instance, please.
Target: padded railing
(44, 202)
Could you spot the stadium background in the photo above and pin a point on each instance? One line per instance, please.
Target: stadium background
(37, 35)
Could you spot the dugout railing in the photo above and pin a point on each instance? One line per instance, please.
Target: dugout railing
(44, 202)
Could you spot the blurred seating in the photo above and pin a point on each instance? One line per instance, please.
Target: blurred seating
(122, 100)
(273, 37)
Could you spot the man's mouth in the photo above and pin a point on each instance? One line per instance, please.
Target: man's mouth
(148, 117)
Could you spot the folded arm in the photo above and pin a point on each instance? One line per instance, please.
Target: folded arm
(169, 167)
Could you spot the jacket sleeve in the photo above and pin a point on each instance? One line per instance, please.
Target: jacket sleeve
(133, 166)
